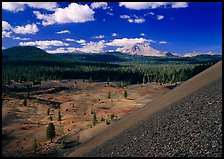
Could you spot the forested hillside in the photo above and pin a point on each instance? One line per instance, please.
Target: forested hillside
(33, 64)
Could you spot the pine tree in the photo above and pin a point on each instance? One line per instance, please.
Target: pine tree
(48, 111)
(51, 118)
(112, 116)
(59, 116)
(34, 146)
(94, 118)
(125, 94)
(50, 131)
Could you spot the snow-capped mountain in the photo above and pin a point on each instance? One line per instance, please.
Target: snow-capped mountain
(142, 49)
(192, 54)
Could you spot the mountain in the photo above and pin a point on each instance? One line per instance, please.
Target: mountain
(27, 53)
(192, 54)
(142, 49)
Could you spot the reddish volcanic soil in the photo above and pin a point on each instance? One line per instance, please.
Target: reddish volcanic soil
(22, 124)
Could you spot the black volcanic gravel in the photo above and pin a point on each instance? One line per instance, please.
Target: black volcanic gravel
(190, 127)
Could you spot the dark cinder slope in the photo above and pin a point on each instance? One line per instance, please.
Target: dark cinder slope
(126, 142)
(190, 127)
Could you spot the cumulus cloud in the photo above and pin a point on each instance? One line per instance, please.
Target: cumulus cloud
(93, 47)
(127, 42)
(20, 6)
(63, 32)
(6, 26)
(179, 5)
(58, 50)
(98, 37)
(74, 13)
(7, 29)
(18, 38)
(133, 19)
(68, 39)
(44, 44)
(6, 34)
(3, 48)
(114, 34)
(96, 5)
(27, 29)
(160, 17)
(162, 42)
(152, 5)
(81, 41)
(142, 34)
(150, 13)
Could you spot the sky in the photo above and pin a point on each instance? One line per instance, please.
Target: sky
(60, 27)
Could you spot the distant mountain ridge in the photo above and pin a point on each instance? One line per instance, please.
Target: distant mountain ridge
(192, 54)
(142, 49)
(27, 53)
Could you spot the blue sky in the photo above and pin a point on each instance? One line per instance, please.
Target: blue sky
(177, 27)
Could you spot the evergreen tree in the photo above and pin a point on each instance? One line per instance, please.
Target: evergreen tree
(48, 111)
(125, 94)
(59, 116)
(50, 131)
(63, 142)
(112, 116)
(51, 118)
(94, 118)
(34, 146)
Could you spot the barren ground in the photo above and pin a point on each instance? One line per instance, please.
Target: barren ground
(21, 124)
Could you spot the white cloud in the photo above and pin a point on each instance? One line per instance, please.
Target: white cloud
(68, 39)
(179, 5)
(114, 34)
(160, 17)
(152, 5)
(7, 29)
(74, 13)
(6, 26)
(20, 6)
(124, 16)
(98, 37)
(18, 38)
(150, 13)
(27, 29)
(3, 48)
(63, 32)
(58, 50)
(162, 42)
(93, 47)
(102, 5)
(81, 41)
(134, 19)
(44, 44)
(127, 42)
(142, 34)
(6, 34)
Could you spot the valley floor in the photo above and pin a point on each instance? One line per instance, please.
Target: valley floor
(22, 124)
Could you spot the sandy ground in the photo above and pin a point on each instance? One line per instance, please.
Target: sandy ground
(20, 124)
(211, 74)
